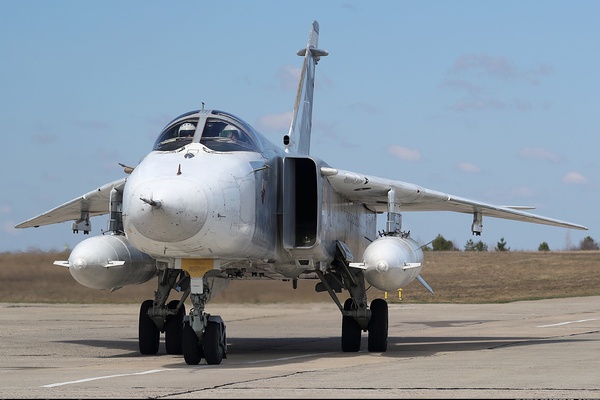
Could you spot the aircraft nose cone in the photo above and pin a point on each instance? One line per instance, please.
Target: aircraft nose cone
(171, 210)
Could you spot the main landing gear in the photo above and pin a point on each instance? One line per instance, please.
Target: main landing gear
(172, 326)
(356, 316)
(158, 316)
(377, 327)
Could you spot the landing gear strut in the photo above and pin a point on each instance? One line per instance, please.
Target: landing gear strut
(356, 316)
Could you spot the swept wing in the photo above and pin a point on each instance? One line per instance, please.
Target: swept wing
(377, 193)
(94, 203)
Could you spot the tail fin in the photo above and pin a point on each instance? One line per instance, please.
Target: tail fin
(298, 138)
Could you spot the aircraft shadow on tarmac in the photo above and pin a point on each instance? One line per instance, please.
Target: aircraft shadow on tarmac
(277, 350)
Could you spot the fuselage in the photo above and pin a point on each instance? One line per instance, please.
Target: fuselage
(204, 194)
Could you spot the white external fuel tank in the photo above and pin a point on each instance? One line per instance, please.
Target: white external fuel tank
(391, 262)
(108, 262)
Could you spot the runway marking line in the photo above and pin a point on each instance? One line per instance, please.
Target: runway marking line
(286, 358)
(568, 322)
(152, 371)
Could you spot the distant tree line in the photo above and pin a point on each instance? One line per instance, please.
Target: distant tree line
(442, 244)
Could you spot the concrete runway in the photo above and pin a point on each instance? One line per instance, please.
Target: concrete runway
(534, 349)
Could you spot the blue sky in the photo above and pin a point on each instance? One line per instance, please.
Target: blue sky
(491, 100)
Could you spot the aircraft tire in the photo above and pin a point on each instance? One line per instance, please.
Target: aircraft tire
(214, 350)
(192, 352)
(350, 331)
(174, 329)
(148, 332)
(378, 326)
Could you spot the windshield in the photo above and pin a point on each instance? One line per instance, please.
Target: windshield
(221, 132)
(220, 135)
(177, 135)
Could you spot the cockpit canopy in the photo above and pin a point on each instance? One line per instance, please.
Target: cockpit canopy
(217, 130)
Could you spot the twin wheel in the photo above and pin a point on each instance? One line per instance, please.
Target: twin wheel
(180, 338)
(377, 328)
(149, 333)
(212, 347)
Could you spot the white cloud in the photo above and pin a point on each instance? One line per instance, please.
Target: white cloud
(275, 122)
(404, 153)
(467, 167)
(575, 178)
(288, 77)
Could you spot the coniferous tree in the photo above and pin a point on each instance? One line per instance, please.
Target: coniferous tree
(501, 246)
(543, 247)
(588, 243)
(441, 244)
(472, 246)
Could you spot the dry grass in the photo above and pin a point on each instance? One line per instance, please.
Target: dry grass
(456, 277)
(484, 277)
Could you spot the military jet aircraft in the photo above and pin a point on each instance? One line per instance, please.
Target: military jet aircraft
(215, 200)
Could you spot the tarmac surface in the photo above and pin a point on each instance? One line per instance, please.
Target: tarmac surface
(532, 349)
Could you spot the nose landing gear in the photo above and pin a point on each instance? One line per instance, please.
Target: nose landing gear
(203, 335)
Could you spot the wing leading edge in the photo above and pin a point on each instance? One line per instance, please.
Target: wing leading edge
(377, 193)
(94, 203)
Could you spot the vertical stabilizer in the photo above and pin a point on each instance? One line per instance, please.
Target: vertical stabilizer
(298, 138)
